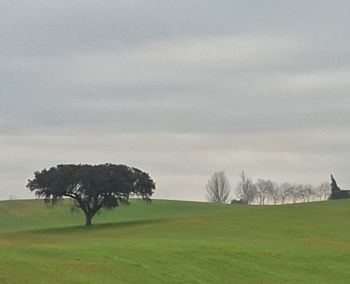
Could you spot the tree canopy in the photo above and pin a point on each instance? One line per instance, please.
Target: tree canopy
(92, 187)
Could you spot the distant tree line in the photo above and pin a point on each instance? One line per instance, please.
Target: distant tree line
(263, 191)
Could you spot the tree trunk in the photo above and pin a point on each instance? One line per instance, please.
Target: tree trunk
(88, 220)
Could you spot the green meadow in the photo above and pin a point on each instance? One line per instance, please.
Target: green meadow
(175, 242)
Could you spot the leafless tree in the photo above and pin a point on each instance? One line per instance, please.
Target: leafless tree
(310, 192)
(285, 191)
(299, 193)
(305, 192)
(267, 189)
(264, 191)
(261, 191)
(273, 191)
(218, 188)
(323, 191)
(246, 188)
(295, 192)
(325, 188)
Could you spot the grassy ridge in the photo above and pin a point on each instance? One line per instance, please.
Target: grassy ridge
(176, 242)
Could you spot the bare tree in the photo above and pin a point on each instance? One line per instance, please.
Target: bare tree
(246, 188)
(299, 193)
(325, 188)
(218, 188)
(264, 191)
(263, 188)
(294, 192)
(261, 191)
(273, 191)
(285, 191)
(323, 191)
(310, 192)
(305, 192)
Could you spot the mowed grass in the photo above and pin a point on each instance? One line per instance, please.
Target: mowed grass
(176, 242)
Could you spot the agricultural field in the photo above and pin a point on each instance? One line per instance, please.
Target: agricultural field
(175, 242)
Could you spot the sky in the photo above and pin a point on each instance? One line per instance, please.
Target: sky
(179, 89)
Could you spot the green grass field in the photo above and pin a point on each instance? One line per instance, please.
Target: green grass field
(176, 242)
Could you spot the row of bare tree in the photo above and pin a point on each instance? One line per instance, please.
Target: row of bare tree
(218, 190)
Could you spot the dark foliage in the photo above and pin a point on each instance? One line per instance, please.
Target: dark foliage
(336, 192)
(92, 187)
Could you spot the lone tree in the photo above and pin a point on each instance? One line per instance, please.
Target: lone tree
(92, 187)
(218, 188)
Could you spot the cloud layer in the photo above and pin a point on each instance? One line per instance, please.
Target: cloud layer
(177, 89)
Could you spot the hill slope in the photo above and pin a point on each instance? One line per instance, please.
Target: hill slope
(176, 242)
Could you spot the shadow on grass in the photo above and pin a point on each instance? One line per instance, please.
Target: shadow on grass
(92, 228)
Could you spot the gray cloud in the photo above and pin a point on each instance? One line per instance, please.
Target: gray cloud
(178, 88)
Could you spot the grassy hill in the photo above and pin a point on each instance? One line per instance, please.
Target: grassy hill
(176, 242)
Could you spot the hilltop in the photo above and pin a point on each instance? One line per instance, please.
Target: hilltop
(176, 242)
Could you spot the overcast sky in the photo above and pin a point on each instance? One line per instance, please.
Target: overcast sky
(179, 89)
